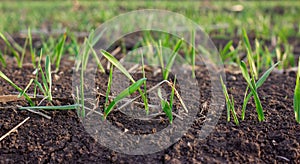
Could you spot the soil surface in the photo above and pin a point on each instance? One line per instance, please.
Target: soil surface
(63, 139)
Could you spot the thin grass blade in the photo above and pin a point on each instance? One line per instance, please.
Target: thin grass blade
(2, 75)
(172, 59)
(297, 96)
(117, 64)
(2, 60)
(65, 107)
(108, 86)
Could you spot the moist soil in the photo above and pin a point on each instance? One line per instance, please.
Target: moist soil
(63, 139)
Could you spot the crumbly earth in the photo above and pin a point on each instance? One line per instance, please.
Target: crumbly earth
(63, 139)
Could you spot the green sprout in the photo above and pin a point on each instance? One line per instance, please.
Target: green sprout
(58, 51)
(32, 52)
(126, 92)
(15, 52)
(193, 54)
(253, 68)
(2, 75)
(46, 85)
(2, 59)
(64, 107)
(229, 104)
(258, 84)
(297, 95)
(118, 65)
(168, 106)
(169, 65)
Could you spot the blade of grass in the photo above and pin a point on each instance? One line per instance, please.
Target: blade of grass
(108, 86)
(172, 59)
(65, 107)
(253, 69)
(96, 57)
(48, 77)
(32, 53)
(59, 51)
(159, 52)
(16, 87)
(229, 104)
(166, 106)
(13, 51)
(2, 60)
(24, 91)
(193, 54)
(117, 64)
(297, 96)
(145, 83)
(23, 51)
(128, 91)
(172, 93)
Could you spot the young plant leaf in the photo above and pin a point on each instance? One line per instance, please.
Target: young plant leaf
(128, 91)
(65, 107)
(48, 77)
(59, 51)
(24, 91)
(2, 60)
(172, 59)
(167, 109)
(108, 86)
(193, 54)
(13, 51)
(166, 106)
(2, 75)
(117, 64)
(172, 93)
(229, 104)
(297, 96)
(32, 53)
(96, 57)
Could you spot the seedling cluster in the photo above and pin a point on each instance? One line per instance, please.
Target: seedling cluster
(258, 60)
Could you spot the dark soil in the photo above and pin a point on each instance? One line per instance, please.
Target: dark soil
(63, 139)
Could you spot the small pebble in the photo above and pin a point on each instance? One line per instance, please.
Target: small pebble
(232, 78)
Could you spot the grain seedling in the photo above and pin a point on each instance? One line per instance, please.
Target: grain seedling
(167, 106)
(297, 96)
(253, 88)
(118, 65)
(193, 54)
(64, 107)
(229, 53)
(126, 92)
(46, 85)
(171, 60)
(229, 104)
(258, 84)
(58, 51)
(145, 82)
(88, 46)
(3, 76)
(253, 68)
(2, 59)
(108, 86)
(32, 51)
(13, 51)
